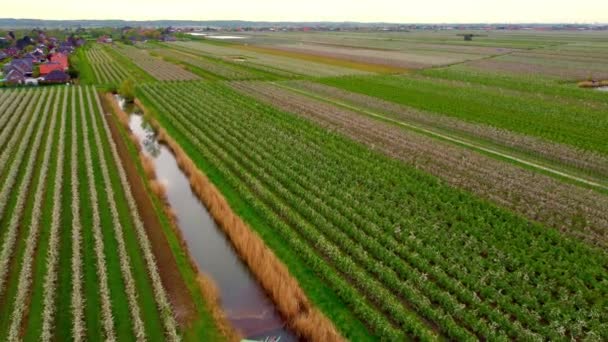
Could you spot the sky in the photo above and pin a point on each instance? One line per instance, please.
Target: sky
(397, 11)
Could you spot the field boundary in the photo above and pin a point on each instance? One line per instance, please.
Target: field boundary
(459, 141)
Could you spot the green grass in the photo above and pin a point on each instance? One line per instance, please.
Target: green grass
(522, 112)
(532, 83)
(79, 61)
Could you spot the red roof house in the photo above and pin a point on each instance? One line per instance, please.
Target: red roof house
(61, 59)
(47, 68)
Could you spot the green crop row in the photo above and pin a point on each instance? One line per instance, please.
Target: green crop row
(74, 260)
(472, 99)
(407, 255)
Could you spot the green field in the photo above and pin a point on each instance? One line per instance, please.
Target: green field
(563, 120)
(368, 228)
(62, 155)
(416, 185)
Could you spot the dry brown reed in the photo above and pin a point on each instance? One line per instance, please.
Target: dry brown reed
(593, 84)
(307, 321)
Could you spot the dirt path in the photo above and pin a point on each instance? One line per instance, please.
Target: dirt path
(177, 291)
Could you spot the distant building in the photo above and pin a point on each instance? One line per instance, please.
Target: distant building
(3, 56)
(12, 52)
(104, 40)
(47, 68)
(23, 65)
(57, 76)
(65, 48)
(61, 59)
(15, 77)
(34, 58)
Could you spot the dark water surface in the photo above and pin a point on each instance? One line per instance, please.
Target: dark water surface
(243, 299)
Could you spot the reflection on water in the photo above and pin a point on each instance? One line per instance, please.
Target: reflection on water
(602, 89)
(243, 300)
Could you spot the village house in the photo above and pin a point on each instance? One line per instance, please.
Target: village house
(23, 65)
(57, 76)
(61, 59)
(12, 52)
(3, 56)
(47, 68)
(58, 62)
(31, 56)
(15, 77)
(104, 40)
(65, 48)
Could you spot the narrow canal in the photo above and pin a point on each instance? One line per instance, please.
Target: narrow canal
(246, 305)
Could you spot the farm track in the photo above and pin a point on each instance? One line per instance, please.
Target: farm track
(275, 181)
(33, 210)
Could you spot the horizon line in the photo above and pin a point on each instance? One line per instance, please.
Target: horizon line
(322, 21)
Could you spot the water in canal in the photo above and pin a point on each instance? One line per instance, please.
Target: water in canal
(243, 299)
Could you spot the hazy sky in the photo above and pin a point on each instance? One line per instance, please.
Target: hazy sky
(406, 11)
